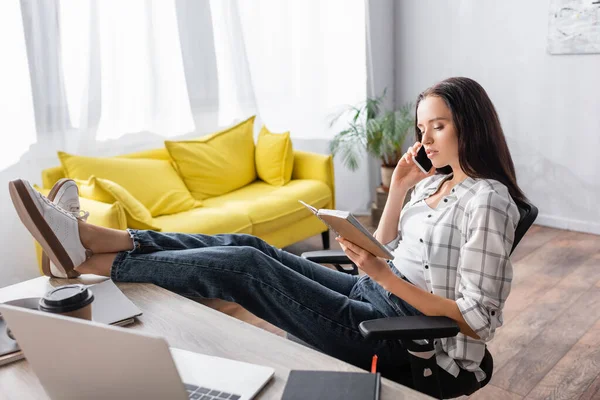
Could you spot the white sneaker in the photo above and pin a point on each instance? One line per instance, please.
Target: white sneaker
(55, 229)
(64, 194)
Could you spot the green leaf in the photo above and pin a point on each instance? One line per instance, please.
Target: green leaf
(380, 132)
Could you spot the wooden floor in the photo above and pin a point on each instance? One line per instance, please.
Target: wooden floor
(549, 345)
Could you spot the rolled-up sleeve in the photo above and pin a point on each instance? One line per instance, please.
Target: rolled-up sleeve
(484, 266)
(394, 243)
(391, 245)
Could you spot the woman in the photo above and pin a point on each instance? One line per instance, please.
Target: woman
(453, 260)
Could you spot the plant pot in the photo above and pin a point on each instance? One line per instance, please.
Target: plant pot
(386, 176)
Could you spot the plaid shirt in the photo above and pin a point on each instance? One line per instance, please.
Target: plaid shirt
(467, 241)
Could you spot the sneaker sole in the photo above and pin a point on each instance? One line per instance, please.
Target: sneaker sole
(37, 226)
(45, 259)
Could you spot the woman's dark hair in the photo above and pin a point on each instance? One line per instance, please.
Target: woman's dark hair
(482, 149)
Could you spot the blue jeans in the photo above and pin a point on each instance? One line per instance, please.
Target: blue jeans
(319, 305)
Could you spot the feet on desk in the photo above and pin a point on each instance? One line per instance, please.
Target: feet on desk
(64, 194)
(56, 229)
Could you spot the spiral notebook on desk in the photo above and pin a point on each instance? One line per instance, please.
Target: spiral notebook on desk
(344, 224)
(110, 306)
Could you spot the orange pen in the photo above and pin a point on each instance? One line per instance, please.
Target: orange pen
(374, 364)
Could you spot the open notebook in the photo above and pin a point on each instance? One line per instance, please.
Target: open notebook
(344, 224)
(110, 306)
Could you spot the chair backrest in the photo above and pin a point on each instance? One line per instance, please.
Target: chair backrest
(528, 213)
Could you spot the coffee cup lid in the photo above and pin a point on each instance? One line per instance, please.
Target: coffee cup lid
(66, 299)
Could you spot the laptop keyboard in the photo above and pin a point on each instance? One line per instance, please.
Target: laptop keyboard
(204, 393)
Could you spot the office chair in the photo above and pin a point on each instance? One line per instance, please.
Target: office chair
(422, 328)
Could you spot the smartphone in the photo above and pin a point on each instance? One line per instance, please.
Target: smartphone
(422, 161)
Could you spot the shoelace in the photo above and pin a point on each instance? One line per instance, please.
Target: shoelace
(79, 214)
(76, 213)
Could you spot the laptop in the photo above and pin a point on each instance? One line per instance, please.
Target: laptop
(78, 359)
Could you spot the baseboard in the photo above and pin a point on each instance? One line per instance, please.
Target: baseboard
(568, 224)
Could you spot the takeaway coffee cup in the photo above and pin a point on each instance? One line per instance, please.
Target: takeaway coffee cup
(70, 300)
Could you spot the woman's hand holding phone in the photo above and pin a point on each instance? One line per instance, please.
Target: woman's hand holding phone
(407, 174)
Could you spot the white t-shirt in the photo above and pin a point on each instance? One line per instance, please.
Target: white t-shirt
(408, 256)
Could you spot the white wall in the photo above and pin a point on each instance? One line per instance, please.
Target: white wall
(381, 57)
(549, 105)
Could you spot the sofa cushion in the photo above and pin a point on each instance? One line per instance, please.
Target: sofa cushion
(270, 207)
(155, 183)
(102, 214)
(205, 220)
(274, 157)
(216, 164)
(138, 216)
(154, 154)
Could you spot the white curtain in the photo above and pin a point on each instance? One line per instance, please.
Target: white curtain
(17, 121)
(127, 54)
(104, 69)
(306, 59)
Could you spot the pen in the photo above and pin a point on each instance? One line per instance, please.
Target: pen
(374, 364)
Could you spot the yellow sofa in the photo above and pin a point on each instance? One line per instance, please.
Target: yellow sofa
(272, 213)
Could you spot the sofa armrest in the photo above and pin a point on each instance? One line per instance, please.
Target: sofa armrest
(51, 175)
(315, 166)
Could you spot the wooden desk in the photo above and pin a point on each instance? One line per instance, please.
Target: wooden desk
(191, 326)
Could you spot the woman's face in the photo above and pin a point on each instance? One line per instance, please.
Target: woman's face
(434, 120)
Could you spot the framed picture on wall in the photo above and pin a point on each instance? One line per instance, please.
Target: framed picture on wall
(574, 27)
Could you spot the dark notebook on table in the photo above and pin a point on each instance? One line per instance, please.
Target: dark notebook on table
(332, 385)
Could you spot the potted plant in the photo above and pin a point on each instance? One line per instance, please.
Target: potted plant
(381, 133)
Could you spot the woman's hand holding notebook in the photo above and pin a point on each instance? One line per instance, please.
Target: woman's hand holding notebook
(344, 224)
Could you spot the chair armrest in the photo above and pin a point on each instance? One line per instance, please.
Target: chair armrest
(327, 257)
(335, 257)
(423, 362)
(409, 328)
